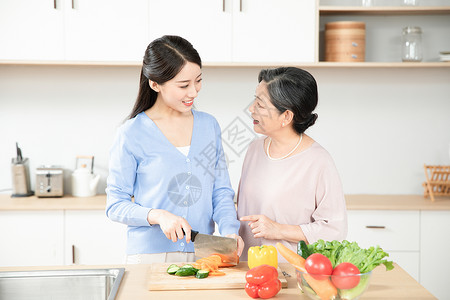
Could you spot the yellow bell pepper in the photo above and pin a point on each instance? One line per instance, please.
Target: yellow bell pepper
(262, 255)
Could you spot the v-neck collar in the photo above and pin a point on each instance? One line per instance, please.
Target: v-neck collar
(166, 140)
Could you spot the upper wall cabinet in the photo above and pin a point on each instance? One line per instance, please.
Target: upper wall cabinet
(204, 23)
(85, 30)
(274, 31)
(240, 30)
(31, 30)
(106, 30)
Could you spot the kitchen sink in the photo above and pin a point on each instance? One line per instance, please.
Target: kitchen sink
(83, 284)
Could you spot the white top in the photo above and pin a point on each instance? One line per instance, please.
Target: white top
(184, 149)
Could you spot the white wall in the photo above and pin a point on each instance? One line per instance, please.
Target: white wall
(380, 125)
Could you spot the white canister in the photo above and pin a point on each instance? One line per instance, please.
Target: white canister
(84, 183)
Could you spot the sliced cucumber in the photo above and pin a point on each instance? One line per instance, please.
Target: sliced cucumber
(187, 266)
(202, 274)
(186, 271)
(172, 269)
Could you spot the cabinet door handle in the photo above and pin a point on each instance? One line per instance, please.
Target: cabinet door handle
(223, 5)
(240, 5)
(54, 4)
(73, 4)
(375, 227)
(73, 254)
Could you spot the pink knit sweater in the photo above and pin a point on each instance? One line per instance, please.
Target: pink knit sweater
(304, 189)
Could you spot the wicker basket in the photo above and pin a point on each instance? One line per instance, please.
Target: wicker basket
(438, 181)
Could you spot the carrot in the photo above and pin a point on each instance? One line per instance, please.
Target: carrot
(324, 288)
(224, 261)
(209, 266)
(215, 258)
(293, 258)
(216, 273)
(212, 264)
(226, 265)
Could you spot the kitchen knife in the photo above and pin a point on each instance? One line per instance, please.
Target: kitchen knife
(19, 154)
(207, 244)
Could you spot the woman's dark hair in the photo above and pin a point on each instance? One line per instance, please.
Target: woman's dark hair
(163, 60)
(292, 89)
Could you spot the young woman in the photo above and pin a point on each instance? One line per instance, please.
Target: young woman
(289, 189)
(169, 157)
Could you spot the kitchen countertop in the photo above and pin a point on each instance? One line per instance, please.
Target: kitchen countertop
(395, 284)
(97, 202)
(354, 202)
(396, 202)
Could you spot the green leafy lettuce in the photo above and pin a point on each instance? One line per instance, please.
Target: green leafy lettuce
(365, 259)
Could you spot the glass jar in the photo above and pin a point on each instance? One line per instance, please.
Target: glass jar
(411, 2)
(412, 44)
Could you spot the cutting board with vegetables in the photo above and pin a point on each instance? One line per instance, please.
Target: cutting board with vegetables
(160, 280)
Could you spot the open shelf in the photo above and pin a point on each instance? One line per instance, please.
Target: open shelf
(384, 10)
(383, 64)
(246, 65)
(383, 32)
(337, 65)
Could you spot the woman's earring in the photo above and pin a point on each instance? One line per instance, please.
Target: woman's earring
(282, 125)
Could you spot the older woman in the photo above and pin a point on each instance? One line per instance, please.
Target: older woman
(290, 189)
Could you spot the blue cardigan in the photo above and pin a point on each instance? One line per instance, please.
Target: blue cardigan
(144, 164)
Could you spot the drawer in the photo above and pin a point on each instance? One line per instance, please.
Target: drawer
(392, 230)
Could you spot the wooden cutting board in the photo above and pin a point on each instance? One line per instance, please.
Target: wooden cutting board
(159, 280)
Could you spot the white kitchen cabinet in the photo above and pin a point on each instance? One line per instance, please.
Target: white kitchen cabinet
(31, 238)
(76, 30)
(93, 239)
(31, 30)
(204, 23)
(240, 30)
(274, 31)
(396, 231)
(434, 252)
(105, 30)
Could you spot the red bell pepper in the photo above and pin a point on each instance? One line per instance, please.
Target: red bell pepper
(262, 282)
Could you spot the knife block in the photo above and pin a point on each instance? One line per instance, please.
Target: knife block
(20, 173)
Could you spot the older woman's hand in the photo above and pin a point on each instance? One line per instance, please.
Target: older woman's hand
(240, 242)
(263, 227)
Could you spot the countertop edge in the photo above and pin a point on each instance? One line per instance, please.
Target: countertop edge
(396, 283)
(353, 202)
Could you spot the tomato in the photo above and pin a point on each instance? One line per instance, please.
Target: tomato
(343, 282)
(318, 264)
